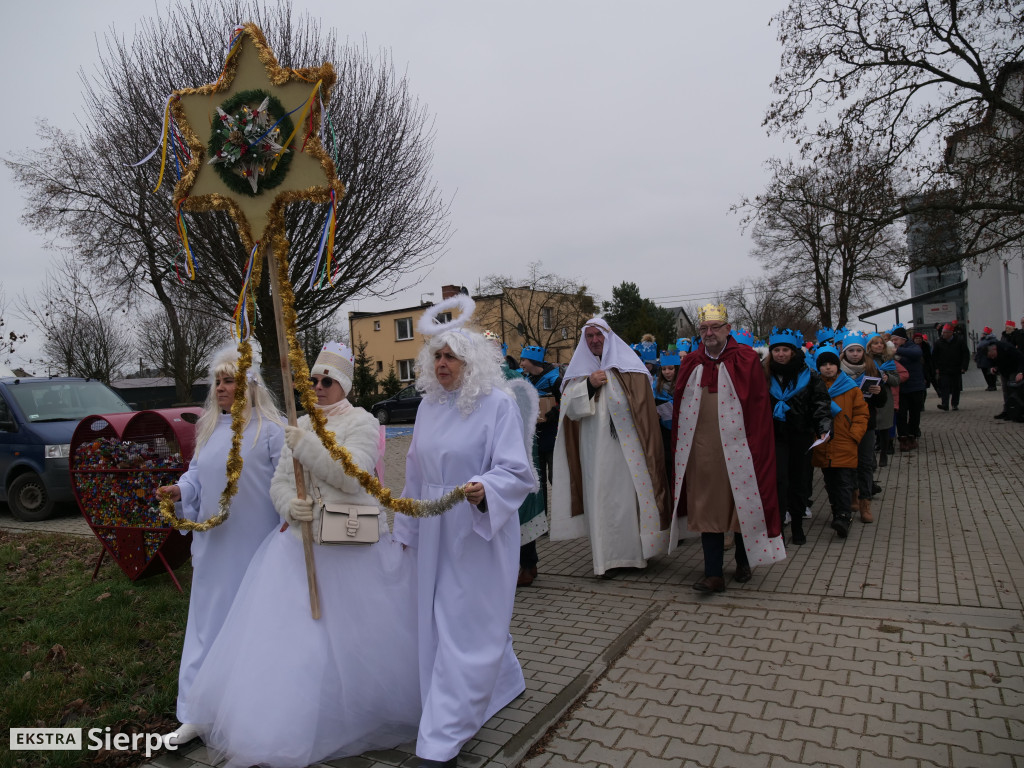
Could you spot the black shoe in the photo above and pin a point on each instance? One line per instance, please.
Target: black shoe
(799, 537)
(743, 574)
(956, 407)
(1003, 415)
(841, 527)
(942, 407)
(875, 489)
(883, 459)
(422, 762)
(991, 389)
(710, 584)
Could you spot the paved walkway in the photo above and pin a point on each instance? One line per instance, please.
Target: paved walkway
(901, 646)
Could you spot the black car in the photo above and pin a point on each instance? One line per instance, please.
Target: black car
(401, 407)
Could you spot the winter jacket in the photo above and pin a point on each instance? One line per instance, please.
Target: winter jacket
(951, 358)
(981, 352)
(848, 428)
(912, 358)
(874, 402)
(809, 414)
(1009, 361)
(885, 413)
(903, 375)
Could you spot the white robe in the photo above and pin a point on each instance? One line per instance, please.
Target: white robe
(221, 555)
(467, 566)
(620, 510)
(281, 689)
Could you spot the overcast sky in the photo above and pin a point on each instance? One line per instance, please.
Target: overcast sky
(604, 139)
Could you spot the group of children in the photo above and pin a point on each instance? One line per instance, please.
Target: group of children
(837, 395)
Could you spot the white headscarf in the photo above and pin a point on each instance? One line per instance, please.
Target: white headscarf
(616, 354)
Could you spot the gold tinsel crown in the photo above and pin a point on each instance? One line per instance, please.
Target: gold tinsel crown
(713, 312)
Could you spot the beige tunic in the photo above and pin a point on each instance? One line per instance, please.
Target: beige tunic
(709, 499)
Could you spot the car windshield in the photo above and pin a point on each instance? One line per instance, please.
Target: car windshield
(51, 400)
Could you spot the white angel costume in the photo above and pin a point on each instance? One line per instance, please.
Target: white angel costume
(282, 689)
(221, 555)
(467, 559)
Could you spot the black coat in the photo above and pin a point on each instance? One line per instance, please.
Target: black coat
(952, 357)
(810, 412)
(1008, 362)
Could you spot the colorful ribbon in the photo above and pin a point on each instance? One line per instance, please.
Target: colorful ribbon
(326, 242)
(242, 329)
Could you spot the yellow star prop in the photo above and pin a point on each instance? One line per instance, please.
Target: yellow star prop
(252, 65)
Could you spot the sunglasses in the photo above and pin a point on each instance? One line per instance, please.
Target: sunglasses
(326, 381)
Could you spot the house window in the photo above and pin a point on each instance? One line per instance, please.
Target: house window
(376, 325)
(545, 318)
(444, 317)
(406, 370)
(380, 366)
(403, 329)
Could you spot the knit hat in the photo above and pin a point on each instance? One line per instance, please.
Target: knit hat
(947, 327)
(987, 331)
(336, 361)
(826, 354)
(900, 331)
(1010, 324)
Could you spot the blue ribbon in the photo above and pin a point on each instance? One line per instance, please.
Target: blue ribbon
(792, 389)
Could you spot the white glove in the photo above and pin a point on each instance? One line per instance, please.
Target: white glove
(300, 511)
(292, 436)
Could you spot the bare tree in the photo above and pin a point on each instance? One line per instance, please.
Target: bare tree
(815, 228)
(759, 306)
(544, 309)
(202, 335)
(9, 339)
(900, 77)
(314, 337)
(82, 186)
(84, 334)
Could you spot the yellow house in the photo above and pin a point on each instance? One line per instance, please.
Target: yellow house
(520, 316)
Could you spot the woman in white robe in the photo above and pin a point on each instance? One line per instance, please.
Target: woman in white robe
(280, 688)
(221, 555)
(468, 433)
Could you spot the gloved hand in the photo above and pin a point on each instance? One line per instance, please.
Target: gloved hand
(300, 511)
(292, 436)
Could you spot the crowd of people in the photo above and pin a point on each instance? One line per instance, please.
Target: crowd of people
(634, 448)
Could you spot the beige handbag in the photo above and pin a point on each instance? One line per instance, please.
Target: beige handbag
(342, 523)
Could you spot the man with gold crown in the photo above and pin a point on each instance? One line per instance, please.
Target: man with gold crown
(609, 469)
(724, 452)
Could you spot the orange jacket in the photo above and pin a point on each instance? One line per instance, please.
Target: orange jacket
(848, 428)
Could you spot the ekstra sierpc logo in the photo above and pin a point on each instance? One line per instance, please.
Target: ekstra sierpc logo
(37, 739)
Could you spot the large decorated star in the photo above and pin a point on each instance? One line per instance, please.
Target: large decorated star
(246, 176)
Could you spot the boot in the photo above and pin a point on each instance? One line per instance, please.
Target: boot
(904, 443)
(865, 511)
(913, 443)
(797, 527)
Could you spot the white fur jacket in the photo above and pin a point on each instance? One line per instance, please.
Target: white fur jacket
(356, 430)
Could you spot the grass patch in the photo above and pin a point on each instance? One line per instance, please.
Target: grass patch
(85, 654)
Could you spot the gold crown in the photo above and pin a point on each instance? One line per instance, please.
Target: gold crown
(712, 312)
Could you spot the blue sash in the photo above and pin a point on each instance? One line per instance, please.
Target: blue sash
(546, 384)
(843, 383)
(889, 366)
(792, 389)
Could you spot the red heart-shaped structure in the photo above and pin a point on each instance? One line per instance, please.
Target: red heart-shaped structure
(117, 463)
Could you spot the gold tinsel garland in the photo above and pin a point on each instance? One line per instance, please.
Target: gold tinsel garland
(234, 465)
(300, 373)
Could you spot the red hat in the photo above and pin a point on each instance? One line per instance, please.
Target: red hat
(918, 334)
(1010, 324)
(947, 327)
(987, 331)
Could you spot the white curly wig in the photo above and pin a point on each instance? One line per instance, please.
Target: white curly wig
(259, 399)
(481, 370)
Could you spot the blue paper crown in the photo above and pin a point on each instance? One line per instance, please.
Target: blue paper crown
(533, 353)
(743, 336)
(822, 350)
(648, 351)
(670, 359)
(898, 325)
(504, 350)
(786, 336)
(824, 334)
(683, 345)
(869, 337)
(854, 337)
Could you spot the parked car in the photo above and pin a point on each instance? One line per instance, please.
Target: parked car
(37, 419)
(401, 407)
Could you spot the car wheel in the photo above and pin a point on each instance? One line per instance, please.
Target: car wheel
(382, 415)
(28, 498)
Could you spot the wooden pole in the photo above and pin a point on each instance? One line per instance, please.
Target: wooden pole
(289, 409)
